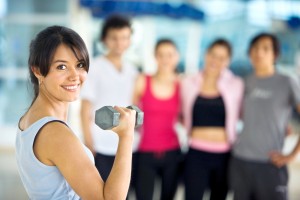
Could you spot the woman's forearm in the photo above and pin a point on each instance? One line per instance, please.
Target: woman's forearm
(117, 184)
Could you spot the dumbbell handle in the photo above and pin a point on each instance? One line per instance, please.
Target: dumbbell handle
(139, 116)
(107, 117)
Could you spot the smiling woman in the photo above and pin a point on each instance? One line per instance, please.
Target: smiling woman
(62, 42)
(52, 162)
(65, 76)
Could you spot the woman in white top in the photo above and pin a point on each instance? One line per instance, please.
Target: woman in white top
(58, 65)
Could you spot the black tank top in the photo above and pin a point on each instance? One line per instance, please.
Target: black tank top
(208, 112)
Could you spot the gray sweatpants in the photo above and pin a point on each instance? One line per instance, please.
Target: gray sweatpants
(257, 181)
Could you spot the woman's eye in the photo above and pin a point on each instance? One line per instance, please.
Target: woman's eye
(61, 67)
(81, 65)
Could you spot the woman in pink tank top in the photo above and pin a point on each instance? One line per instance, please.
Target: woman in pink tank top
(159, 149)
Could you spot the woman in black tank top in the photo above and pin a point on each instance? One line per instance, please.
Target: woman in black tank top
(207, 160)
(208, 112)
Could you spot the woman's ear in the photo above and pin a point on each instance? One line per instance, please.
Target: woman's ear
(37, 73)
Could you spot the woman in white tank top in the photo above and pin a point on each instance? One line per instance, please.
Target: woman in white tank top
(52, 161)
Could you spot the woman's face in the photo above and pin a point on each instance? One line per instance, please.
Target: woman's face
(216, 59)
(117, 40)
(65, 77)
(167, 57)
(262, 53)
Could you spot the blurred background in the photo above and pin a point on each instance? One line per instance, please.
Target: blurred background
(192, 24)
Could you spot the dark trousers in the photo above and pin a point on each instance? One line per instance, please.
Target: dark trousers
(257, 180)
(150, 165)
(204, 170)
(104, 165)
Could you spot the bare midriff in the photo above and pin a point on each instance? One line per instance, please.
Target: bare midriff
(209, 134)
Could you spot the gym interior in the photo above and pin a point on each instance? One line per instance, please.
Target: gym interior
(191, 24)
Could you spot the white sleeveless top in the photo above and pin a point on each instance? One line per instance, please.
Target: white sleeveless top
(41, 181)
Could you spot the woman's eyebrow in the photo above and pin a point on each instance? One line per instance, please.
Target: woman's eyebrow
(60, 61)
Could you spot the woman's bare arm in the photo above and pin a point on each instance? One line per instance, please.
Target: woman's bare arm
(56, 145)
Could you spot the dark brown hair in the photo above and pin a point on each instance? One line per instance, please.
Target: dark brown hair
(221, 42)
(273, 38)
(43, 47)
(164, 41)
(114, 22)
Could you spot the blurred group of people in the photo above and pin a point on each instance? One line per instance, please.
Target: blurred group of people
(209, 104)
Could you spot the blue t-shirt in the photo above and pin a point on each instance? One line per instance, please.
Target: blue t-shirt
(41, 182)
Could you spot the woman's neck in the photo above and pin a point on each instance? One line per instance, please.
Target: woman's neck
(165, 76)
(210, 78)
(46, 107)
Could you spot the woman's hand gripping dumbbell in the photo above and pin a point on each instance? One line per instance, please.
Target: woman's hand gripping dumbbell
(107, 117)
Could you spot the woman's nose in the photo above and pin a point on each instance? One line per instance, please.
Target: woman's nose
(73, 74)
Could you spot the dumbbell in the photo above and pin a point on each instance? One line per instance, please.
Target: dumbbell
(107, 117)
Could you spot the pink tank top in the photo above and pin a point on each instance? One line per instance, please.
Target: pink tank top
(158, 131)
